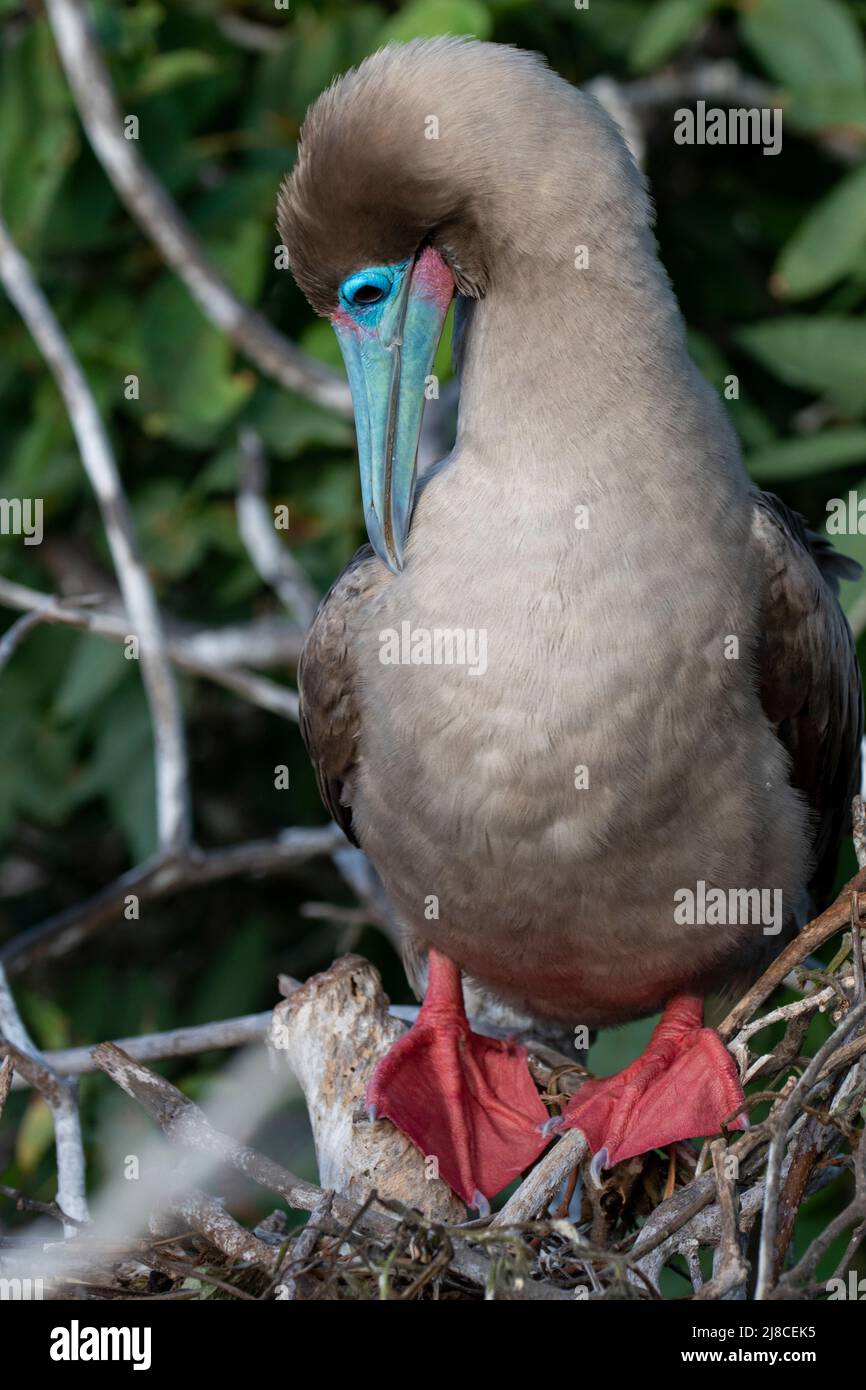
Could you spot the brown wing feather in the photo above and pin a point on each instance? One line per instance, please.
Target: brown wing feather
(329, 716)
(809, 676)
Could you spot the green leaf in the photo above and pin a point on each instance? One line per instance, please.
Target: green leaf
(828, 244)
(232, 981)
(121, 769)
(168, 521)
(165, 70)
(803, 42)
(667, 25)
(96, 668)
(288, 424)
(803, 458)
(424, 19)
(823, 354)
(34, 1136)
(829, 107)
(38, 139)
(190, 388)
(49, 1024)
(611, 25)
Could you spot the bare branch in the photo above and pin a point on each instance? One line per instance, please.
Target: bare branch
(779, 1122)
(161, 220)
(60, 1096)
(730, 1270)
(185, 652)
(262, 642)
(274, 563)
(331, 1032)
(198, 1211)
(246, 33)
(536, 1192)
(813, 935)
(176, 1042)
(173, 810)
(7, 1076)
(14, 636)
(159, 877)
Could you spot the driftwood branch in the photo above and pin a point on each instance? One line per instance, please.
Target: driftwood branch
(331, 1032)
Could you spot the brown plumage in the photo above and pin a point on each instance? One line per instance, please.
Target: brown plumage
(608, 647)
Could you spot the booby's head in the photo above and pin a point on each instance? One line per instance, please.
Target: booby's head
(437, 167)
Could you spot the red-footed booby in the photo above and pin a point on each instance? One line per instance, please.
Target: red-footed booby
(587, 700)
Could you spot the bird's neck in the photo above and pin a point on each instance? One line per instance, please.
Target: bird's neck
(557, 357)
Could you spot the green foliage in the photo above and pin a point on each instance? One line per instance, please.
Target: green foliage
(665, 27)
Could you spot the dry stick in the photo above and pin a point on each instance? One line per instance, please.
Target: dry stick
(858, 817)
(264, 642)
(540, 1187)
(7, 1075)
(730, 1269)
(158, 877)
(247, 33)
(183, 651)
(274, 563)
(25, 1203)
(247, 1030)
(813, 935)
(305, 1245)
(172, 790)
(779, 1122)
(60, 1096)
(177, 1042)
(185, 1124)
(199, 1211)
(805, 1152)
(15, 635)
(853, 1214)
(162, 222)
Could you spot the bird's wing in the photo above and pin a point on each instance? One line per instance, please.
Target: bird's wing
(809, 677)
(329, 716)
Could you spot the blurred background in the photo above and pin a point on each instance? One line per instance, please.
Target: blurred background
(768, 259)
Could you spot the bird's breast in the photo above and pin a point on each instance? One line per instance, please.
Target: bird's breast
(549, 720)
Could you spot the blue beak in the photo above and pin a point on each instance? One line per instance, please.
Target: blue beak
(389, 356)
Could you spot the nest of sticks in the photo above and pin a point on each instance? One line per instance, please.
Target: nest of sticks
(381, 1226)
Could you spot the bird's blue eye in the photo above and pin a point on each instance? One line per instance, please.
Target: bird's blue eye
(368, 287)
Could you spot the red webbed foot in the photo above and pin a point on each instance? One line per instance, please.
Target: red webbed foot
(683, 1086)
(463, 1099)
